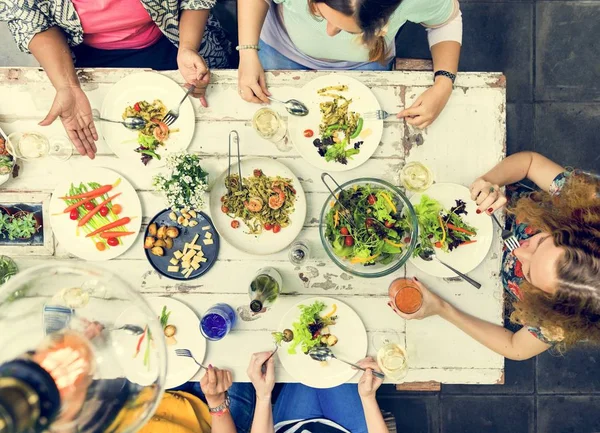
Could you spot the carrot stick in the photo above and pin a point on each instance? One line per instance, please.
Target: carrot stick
(109, 226)
(467, 243)
(83, 221)
(90, 194)
(458, 229)
(108, 235)
(76, 205)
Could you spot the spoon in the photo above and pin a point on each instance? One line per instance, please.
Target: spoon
(293, 106)
(324, 354)
(129, 122)
(132, 329)
(429, 255)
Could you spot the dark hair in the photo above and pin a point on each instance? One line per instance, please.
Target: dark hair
(372, 16)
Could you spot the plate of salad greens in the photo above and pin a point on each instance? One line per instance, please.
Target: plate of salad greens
(147, 95)
(95, 214)
(449, 225)
(323, 322)
(370, 229)
(335, 136)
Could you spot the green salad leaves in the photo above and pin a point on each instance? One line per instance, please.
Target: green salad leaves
(307, 328)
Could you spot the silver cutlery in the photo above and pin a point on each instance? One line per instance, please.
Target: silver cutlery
(187, 354)
(264, 365)
(510, 240)
(324, 354)
(378, 115)
(173, 114)
(429, 255)
(132, 329)
(134, 123)
(293, 106)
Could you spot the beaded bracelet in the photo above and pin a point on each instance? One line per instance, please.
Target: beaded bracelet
(247, 47)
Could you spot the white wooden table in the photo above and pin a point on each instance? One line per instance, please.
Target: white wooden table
(467, 139)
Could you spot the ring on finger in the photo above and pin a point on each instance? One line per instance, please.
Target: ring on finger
(492, 189)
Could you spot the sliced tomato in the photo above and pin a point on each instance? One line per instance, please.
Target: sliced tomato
(113, 242)
(276, 228)
(136, 107)
(308, 133)
(388, 224)
(224, 209)
(371, 199)
(89, 205)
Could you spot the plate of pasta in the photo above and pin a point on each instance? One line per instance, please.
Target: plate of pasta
(260, 212)
(148, 96)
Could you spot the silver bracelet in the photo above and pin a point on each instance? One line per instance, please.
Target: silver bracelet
(247, 47)
(220, 408)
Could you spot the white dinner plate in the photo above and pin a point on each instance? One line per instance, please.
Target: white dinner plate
(65, 229)
(363, 101)
(267, 242)
(181, 369)
(465, 258)
(145, 86)
(352, 346)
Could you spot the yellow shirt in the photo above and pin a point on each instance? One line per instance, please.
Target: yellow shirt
(179, 412)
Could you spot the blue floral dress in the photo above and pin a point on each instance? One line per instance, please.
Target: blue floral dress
(512, 271)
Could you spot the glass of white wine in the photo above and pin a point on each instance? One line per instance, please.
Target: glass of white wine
(269, 125)
(391, 356)
(33, 145)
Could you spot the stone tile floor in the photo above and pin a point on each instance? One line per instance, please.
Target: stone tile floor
(549, 52)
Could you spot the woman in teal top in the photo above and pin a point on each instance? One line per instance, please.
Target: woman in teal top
(346, 35)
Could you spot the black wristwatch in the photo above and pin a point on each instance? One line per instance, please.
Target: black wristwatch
(445, 74)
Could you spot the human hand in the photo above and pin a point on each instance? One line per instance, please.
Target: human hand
(432, 304)
(194, 71)
(75, 112)
(214, 384)
(428, 106)
(368, 383)
(488, 196)
(252, 85)
(263, 382)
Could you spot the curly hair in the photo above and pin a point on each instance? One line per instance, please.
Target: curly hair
(372, 16)
(572, 313)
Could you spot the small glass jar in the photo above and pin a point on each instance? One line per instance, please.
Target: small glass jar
(405, 295)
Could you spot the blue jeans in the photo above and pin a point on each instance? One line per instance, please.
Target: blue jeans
(340, 404)
(242, 398)
(271, 59)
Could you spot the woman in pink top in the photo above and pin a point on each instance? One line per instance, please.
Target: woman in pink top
(156, 34)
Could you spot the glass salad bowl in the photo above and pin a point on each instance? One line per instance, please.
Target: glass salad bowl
(371, 231)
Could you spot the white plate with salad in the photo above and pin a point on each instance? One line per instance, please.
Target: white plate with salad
(95, 214)
(449, 224)
(150, 96)
(308, 320)
(334, 136)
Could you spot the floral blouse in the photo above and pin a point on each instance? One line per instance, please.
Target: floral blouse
(512, 271)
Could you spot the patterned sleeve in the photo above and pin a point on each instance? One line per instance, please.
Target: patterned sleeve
(25, 19)
(559, 182)
(547, 336)
(196, 5)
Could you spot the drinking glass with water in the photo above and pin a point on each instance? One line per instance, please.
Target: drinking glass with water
(217, 322)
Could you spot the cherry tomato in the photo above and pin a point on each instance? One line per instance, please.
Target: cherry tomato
(389, 224)
(89, 205)
(257, 172)
(235, 224)
(344, 231)
(74, 215)
(113, 242)
(348, 241)
(371, 199)
(100, 246)
(276, 228)
(222, 198)
(369, 222)
(136, 107)
(103, 211)
(308, 133)
(438, 244)
(224, 209)
(268, 226)
(117, 209)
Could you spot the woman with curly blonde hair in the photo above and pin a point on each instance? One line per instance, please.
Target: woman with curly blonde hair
(553, 278)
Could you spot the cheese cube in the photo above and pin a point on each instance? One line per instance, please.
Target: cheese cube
(188, 273)
(174, 261)
(206, 228)
(173, 269)
(197, 248)
(178, 254)
(208, 242)
(186, 265)
(208, 235)
(203, 260)
(189, 255)
(195, 266)
(195, 239)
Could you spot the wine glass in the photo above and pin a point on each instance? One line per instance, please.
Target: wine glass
(97, 337)
(391, 355)
(34, 145)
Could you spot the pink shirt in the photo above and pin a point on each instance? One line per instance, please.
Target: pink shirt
(116, 24)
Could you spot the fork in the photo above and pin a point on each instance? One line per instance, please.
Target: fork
(173, 115)
(510, 240)
(263, 368)
(378, 115)
(187, 354)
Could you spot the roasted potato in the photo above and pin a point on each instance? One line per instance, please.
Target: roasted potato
(173, 216)
(180, 219)
(193, 223)
(149, 242)
(152, 229)
(186, 215)
(193, 213)
(162, 232)
(157, 251)
(169, 242)
(172, 232)
(332, 340)
(160, 243)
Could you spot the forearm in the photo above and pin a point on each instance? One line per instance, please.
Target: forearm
(263, 417)
(223, 424)
(494, 337)
(51, 50)
(445, 57)
(191, 28)
(373, 416)
(251, 15)
(519, 166)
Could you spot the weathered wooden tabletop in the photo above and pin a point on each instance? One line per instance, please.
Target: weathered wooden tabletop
(466, 140)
